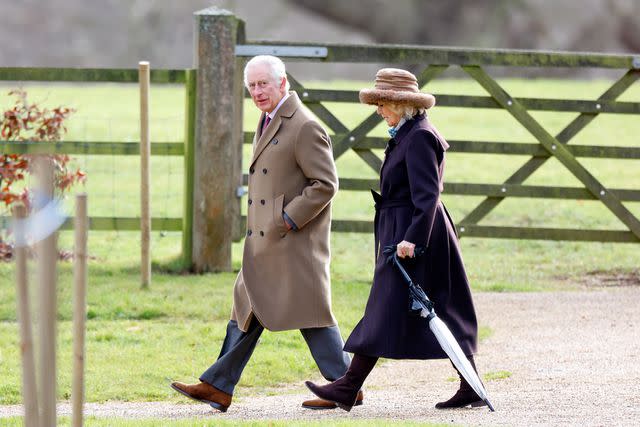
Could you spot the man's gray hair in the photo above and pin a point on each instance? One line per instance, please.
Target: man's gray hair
(276, 66)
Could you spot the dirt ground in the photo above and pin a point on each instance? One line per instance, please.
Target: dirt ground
(574, 359)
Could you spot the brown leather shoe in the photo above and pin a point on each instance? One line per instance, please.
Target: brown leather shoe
(326, 404)
(205, 393)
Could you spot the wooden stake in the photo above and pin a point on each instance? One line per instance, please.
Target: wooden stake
(79, 308)
(47, 257)
(145, 154)
(29, 391)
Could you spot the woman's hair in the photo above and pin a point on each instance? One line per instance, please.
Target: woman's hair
(405, 111)
(276, 67)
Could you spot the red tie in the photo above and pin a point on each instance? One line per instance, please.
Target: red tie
(266, 123)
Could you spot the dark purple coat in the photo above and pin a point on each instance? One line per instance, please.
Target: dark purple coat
(411, 210)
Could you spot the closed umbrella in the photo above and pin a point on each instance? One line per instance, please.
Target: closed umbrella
(420, 304)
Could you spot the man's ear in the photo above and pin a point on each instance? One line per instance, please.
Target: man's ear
(283, 83)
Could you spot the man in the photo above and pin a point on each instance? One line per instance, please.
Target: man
(284, 280)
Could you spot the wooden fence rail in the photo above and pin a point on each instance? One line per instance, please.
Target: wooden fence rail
(179, 148)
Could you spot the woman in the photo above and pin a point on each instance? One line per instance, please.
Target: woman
(409, 213)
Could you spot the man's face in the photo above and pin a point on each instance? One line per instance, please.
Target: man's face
(265, 91)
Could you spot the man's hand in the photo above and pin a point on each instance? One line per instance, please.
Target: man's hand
(405, 249)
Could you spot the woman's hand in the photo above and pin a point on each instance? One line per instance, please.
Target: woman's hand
(405, 249)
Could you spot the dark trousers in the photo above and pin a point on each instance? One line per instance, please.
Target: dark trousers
(325, 345)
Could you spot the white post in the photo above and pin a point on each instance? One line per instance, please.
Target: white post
(29, 391)
(47, 256)
(79, 307)
(145, 154)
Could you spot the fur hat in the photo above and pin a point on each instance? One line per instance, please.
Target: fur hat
(399, 87)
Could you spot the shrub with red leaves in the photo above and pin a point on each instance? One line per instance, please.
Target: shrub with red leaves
(29, 122)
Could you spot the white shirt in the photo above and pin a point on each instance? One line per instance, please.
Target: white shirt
(275, 110)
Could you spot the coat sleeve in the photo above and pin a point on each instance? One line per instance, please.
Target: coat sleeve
(315, 158)
(424, 185)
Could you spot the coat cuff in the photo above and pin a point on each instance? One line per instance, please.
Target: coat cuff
(289, 221)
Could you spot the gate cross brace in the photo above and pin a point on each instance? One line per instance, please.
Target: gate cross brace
(555, 147)
(564, 136)
(350, 139)
(335, 125)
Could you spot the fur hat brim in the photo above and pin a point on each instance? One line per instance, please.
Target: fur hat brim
(416, 99)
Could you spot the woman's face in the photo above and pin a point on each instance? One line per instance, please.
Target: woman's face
(391, 117)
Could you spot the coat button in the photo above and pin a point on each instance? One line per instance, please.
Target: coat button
(249, 232)
(250, 201)
(262, 233)
(264, 171)
(262, 202)
(251, 170)
(274, 141)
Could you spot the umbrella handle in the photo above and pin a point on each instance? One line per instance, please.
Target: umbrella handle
(401, 268)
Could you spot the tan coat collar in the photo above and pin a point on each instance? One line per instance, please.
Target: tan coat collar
(286, 110)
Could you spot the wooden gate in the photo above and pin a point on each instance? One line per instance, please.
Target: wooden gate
(474, 62)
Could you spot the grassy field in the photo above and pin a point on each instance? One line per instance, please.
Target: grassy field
(174, 329)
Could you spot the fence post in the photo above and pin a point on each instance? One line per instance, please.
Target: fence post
(29, 388)
(189, 147)
(47, 252)
(145, 175)
(80, 277)
(218, 140)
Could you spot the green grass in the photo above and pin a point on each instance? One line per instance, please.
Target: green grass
(497, 375)
(136, 339)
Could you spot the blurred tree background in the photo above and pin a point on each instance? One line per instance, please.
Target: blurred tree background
(119, 33)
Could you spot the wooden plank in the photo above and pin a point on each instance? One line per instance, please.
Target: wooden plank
(327, 117)
(556, 148)
(145, 177)
(564, 136)
(370, 159)
(468, 101)
(555, 234)
(24, 315)
(80, 278)
(536, 150)
(359, 184)
(47, 306)
(439, 55)
(318, 109)
(532, 191)
(507, 148)
(352, 226)
(617, 89)
(189, 168)
(576, 235)
(93, 75)
(90, 147)
(501, 190)
(118, 224)
(341, 225)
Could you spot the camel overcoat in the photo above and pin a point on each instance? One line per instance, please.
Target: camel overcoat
(284, 280)
(409, 208)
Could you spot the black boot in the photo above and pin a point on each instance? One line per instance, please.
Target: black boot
(344, 391)
(465, 395)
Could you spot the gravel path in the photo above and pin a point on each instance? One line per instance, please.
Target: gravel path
(574, 359)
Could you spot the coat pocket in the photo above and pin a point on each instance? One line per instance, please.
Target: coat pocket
(278, 210)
